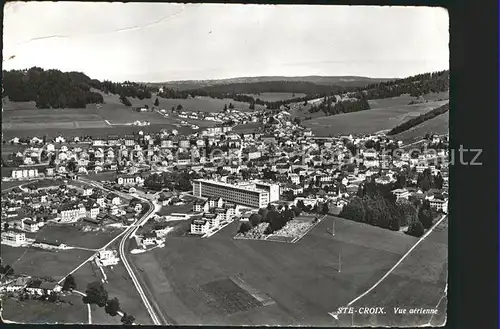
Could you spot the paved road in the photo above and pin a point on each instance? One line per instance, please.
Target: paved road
(89, 310)
(125, 236)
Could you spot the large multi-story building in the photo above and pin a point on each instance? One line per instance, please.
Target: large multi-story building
(199, 226)
(24, 173)
(72, 212)
(12, 237)
(247, 195)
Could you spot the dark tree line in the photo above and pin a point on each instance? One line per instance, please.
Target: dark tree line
(127, 89)
(416, 85)
(56, 89)
(51, 88)
(420, 119)
(329, 107)
(173, 181)
(376, 205)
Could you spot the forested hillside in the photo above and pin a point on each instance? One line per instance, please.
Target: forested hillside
(56, 89)
(416, 85)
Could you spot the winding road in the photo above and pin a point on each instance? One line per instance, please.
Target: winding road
(125, 237)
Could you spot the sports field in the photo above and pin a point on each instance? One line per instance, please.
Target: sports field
(74, 236)
(369, 121)
(36, 262)
(208, 281)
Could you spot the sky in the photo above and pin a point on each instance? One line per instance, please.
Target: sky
(157, 42)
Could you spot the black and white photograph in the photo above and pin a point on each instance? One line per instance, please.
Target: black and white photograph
(225, 164)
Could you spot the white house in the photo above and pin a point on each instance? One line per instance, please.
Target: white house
(13, 238)
(200, 226)
(401, 193)
(108, 257)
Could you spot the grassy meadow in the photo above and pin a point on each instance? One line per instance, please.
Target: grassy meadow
(301, 280)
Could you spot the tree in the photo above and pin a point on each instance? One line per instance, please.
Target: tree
(354, 210)
(6, 226)
(325, 209)
(425, 217)
(255, 219)
(263, 214)
(301, 205)
(96, 294)
(245, 227)
(416, 229)
(8, 270)
(53, 297)
(296, 210)
(287, 214)
(69, 283)
(127, 319)
(112, 307)
(179, 107)
(125, 100)
(231, 106)
(275, 220)
(407, 212)
(71, 165)
(157, 102)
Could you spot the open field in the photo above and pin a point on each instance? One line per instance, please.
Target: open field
(301, 279)
(418, 282)
(36, 262)
(167, 210)
(119, 285)
(43, 312)
(405, 100)
(109, 130)
(101, 177)
(23, 119)
(274, 97)
(369, 121)
(74, 236)
(438, 125)
(203, 104)
(7, 185)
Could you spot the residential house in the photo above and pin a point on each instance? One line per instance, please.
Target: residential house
(200, 226)
(72, 212)
(14, 237)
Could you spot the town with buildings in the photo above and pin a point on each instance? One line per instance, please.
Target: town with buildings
(220, 173)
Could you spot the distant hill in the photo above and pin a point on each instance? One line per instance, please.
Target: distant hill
(343, 81)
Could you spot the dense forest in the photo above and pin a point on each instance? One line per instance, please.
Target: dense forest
(330, 107)
(420, 119)
(56, 89)
(416, 85)
(50, 88)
